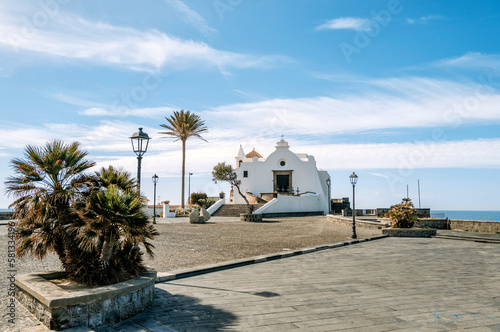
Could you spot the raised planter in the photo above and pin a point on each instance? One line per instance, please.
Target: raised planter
(257, 217)
(59, 308)
(409, 232)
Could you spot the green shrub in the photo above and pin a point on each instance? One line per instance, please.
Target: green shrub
(95, 223)
(402, 215)
(197, 196)
(205, 202)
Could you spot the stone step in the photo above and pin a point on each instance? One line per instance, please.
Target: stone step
(234, 210)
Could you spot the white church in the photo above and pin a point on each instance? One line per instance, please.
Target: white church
(287, 182)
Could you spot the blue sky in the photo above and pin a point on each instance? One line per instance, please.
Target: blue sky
(397, 91)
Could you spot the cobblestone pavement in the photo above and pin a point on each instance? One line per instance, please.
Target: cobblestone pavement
(392, 284)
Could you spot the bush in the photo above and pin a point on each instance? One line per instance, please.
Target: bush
(93, 222)
(197, 196)
(205, 202)
(402, 215)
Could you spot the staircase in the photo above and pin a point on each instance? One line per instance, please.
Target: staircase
(234, 210)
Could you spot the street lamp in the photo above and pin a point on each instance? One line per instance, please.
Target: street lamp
(140, 142)
(189, 187)
(155, 180)
(328, 183)
(353, 178)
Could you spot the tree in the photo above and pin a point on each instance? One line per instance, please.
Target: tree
(94, 223)
(113, 223)
(225, 173)
(402, 215)
(183, 125)
(45, 185)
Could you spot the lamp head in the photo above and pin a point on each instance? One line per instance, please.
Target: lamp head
(140, 142)
(353, 178)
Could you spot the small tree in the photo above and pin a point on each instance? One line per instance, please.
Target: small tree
(402, 215)
(225, 173)
(195, 197)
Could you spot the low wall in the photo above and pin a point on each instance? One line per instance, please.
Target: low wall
(359, 223)
(59, 309)
(409, 232)
(287, 204)
(434, 223)
(480, 226)
(292, 214)
(6, 215)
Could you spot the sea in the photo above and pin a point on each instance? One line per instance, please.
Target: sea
(467, 215)
(451, 214)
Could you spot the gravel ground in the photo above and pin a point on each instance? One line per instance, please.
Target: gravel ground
(182, 245)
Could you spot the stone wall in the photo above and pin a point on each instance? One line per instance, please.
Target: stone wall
(6, 215)
(476, 226)
(435, 223)
(60, 309)
(359, 223)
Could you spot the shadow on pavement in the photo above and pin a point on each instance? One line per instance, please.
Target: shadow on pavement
(182, 313)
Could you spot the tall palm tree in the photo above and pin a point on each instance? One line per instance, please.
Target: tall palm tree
(183, 125)
(45, 185)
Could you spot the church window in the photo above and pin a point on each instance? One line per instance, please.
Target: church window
(245, 174)
(282, 163)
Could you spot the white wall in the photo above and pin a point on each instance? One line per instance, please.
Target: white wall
(284, 203)
(305, 176)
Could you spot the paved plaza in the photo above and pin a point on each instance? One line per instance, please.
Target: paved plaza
(390, 284)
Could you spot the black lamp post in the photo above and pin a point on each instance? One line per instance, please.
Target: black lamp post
(328, 183)
(140, 142)
(155, 181)
(353, 178)
(189, 188)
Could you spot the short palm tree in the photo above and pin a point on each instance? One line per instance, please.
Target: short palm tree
(44, 186)
(183, 125)
(111, 218)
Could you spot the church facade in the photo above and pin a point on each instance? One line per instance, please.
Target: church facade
(287, 182)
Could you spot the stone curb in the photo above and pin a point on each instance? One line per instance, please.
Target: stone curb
(190, 272)
(467, 238)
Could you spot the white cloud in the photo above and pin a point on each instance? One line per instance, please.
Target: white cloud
(76, 38)
(424, 19)
(111, 111)
(473, 60)
(349, 23)
(406, 156)
(192, 17)
(380, 104)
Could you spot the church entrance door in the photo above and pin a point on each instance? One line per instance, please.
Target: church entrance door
(282, 181)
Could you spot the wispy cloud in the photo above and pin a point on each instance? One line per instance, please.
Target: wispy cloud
(79, 39)
(410, 102)
(192, 17)
(347, 23)
(472, 60)
(153, 112)
(449, 154)
(424, 19)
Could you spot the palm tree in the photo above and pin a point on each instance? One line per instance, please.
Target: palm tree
(183, 125)
(112, 217)
(45, 185)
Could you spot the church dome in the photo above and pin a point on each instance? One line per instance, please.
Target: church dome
(253, 153)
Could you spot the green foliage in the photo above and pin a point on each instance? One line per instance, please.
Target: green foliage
(205, 202)
(197, 196)
(94, 223)
(402, 215)
(183, 125)
(225, 173)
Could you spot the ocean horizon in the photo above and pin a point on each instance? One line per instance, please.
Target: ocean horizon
(451, 214)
